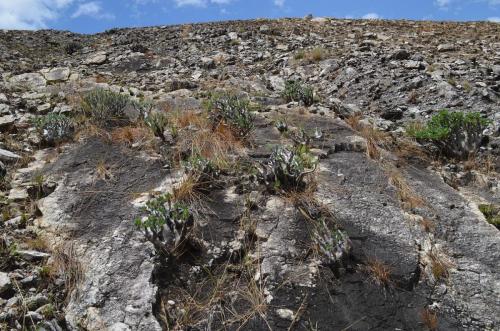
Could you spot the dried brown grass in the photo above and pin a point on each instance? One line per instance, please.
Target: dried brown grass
(429, 319)
(408, 197)
(378, 272)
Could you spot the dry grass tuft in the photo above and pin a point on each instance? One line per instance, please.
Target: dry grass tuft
(189, 190)
(103, 171)
(39, 244)
(379, 272)
(354, 121)
(440, 265)
(409, 198)
(428, 225)
(132, 135)
(64, 263)
(430, 319)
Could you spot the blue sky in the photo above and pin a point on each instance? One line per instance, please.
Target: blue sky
(90, 16)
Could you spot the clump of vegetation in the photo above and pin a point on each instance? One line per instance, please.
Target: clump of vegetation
(430, 319)
(167, 224)
(314, 55)
(456, 134)
(379, 272)
(72, 47)
(333, 244)
(233, 111)
(491, 213)
(282, 126)
(54, 128)
(286, 168)
(158, 123)
(107, 108)
(296, 91)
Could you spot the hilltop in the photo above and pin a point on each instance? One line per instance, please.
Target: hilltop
(292, 174)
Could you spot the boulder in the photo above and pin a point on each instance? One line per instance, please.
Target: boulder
(7, 156)
(32, 80)
(56, 74)
(96, 59)
(5, 284)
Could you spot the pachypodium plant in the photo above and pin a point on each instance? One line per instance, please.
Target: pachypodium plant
(299, 92)
(167, 224)
(54, 128)
(287, 166)
(234, 111)
(456, 134)
(333, 244)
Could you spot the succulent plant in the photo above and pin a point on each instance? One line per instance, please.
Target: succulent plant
(296, 91)
(287, 167)
(166, 225)
(333, 244)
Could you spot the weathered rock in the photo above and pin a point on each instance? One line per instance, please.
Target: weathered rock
(5, 284)
(8, 156)
(33, 256)
(56, 74)
(446, 48)
(28, 80)
(97, 58)
(7, 121)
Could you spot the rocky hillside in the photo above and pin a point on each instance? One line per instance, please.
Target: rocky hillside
(296, 174)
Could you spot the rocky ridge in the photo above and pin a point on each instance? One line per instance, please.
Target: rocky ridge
(421, 255)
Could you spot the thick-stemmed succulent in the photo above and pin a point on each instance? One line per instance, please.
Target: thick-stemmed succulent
(286, 167)
(166, 225)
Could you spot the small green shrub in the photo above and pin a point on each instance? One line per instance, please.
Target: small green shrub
(158, 123)
(166, 225)
(232, 110)
(491, 213)
(54, 128)
(296, 91)
(107, 108)
(286, 168)
(455, 134)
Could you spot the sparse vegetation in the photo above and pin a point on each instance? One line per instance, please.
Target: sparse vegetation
(379, 272)
(456, 134)
(72, 47)
(333, 244)
(233, 111)
(106, 108)
(298, 92)
(286, 168)
(313, 55)
(158, 123)
(492, 214)
(166, 225)
(429, 319)
(54, 128)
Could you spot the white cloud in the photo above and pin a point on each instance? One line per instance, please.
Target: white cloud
(201, 3)
(443, 3)
(371, 16)
(279, 3)
(29, 14)
(92, 9)
(493, 19)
